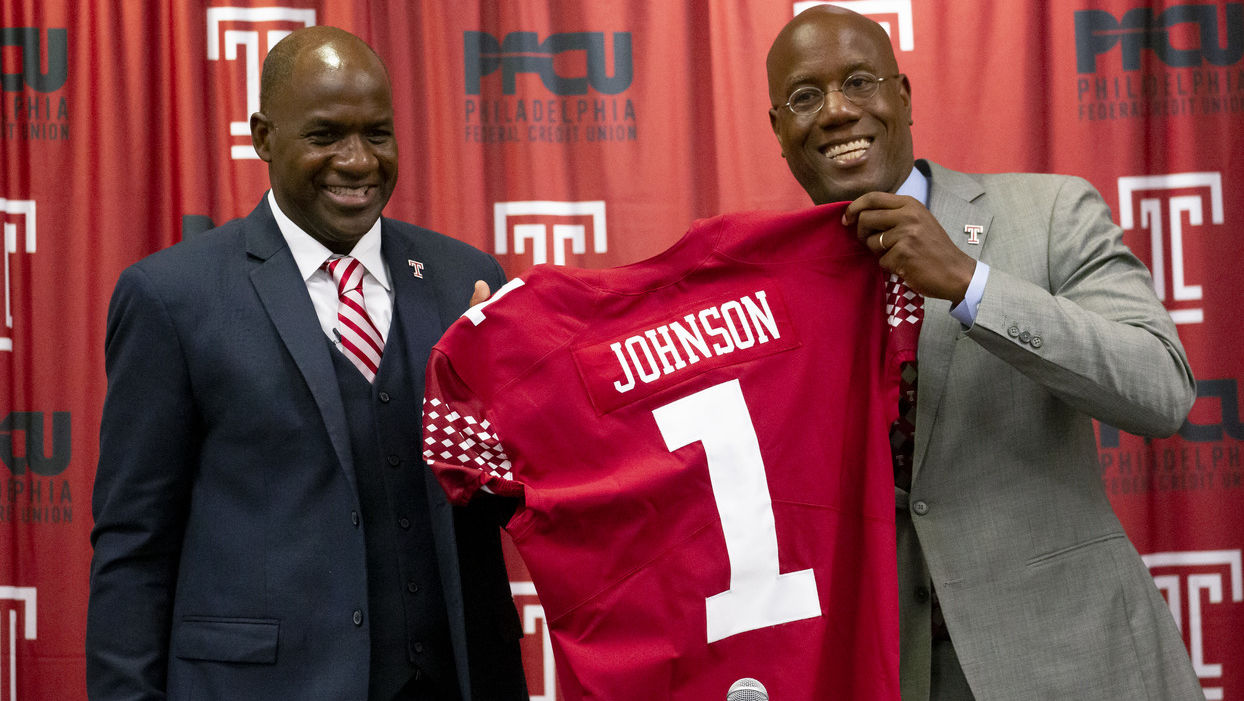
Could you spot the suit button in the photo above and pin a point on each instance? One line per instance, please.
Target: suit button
(404, 523)
(354, 518)
(922, 594)
(384, 397)
(1025, 337)
(418, 647)
(412, 587)
(393, 460)
(1013, 331)
(921, 508)
(1035, 342)
(358, 617)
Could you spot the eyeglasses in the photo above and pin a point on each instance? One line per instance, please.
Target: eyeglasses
(858, 88)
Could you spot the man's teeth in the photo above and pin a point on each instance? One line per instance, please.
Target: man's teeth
(348, 191)
(851, 149)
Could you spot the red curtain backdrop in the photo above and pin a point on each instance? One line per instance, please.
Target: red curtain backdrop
(592, 134)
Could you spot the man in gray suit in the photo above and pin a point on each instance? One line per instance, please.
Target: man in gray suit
(1016, 579)
(265, 527)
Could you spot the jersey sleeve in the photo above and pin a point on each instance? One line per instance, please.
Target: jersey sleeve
(460, 442)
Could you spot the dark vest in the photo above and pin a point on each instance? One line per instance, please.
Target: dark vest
(407, 618)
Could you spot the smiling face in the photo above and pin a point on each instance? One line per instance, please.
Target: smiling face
(844, 150)
(327, 134)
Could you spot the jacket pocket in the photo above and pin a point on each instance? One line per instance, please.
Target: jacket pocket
(1046, 558)
(251, 640)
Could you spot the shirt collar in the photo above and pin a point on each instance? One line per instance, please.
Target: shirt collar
(916, 185)
(310, 254)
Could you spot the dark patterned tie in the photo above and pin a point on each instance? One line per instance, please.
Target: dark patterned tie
(904, 312)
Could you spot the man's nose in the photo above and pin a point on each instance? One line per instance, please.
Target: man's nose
(355, 154)
(837, 110)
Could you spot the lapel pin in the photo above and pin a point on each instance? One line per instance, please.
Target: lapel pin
(416, 268)
(974, 232)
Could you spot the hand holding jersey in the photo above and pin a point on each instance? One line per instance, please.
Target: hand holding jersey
(480, 293)
(910, 243)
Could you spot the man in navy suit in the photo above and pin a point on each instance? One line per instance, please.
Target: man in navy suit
(265, 527)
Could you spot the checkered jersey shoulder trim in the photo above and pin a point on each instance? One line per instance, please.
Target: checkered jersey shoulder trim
(450, 436)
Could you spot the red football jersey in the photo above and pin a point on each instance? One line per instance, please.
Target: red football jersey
(700, 445)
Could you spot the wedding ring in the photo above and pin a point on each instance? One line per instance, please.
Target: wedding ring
(881, 241)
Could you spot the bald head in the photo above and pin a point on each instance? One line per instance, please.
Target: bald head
(824, 26)
(325, 46)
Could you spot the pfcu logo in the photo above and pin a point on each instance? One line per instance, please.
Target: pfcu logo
(223, 28)
(32, 56)
(28, 238)
(879, 11)
(523, 52)
(1140, 29)
(532, 613)
(1223, 394)
(1192, 581)
(22, 443)
(17, 603)
(1164, 203)
(535, 234)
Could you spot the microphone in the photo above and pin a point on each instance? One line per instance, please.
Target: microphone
(747, 689)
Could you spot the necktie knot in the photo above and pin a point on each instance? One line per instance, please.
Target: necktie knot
(347, 273)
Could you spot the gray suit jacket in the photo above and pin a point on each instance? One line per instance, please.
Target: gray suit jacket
(1043, 594)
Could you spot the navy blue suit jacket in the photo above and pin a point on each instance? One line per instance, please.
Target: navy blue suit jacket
(229, 556)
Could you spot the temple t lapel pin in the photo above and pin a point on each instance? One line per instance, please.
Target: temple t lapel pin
(974, 232)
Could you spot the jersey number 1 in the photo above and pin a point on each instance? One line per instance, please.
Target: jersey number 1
(759, 595)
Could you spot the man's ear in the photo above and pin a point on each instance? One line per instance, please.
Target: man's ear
(773, 123)
(261, 130)
(904, 86)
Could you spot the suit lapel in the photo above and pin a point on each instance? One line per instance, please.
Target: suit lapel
(415, 299)
(951, 197)
(283, 294)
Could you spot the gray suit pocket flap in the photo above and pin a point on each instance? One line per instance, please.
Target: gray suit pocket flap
(227, 639)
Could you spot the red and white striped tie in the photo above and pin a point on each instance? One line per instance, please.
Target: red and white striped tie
(359, 338)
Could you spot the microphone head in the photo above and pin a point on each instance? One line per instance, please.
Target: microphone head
(747, 689)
